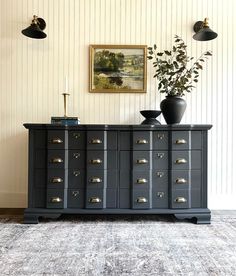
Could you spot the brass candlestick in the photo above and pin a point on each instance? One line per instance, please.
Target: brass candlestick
(65, 103)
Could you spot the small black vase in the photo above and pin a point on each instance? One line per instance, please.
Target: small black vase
(173, 108)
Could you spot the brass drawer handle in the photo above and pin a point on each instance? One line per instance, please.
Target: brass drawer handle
(95, 180)
(141, 180)
(76, 173)
(95, 200)
(141, 199)
(95, 141)
(180, 161)
(180, 200)
(56, 199)
(141, 141)
(56, 180)
(160, 174)
(96, 161)
(76, 135)
(56, 141)
(142, 161)
(180, 142)
(56, 160)
(180, 180)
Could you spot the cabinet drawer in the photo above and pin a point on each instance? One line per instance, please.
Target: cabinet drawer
(160, 160)
(76, 198)
(181, 199)
(76, 139)
(180, 179)
(141, 179)
(96, 140)
(159, 180)
(96, 160)
(142, 140)
(160, 140)
(180, 140)
(95, 198)
(141, 160)
(57, 179)
(141, 199)
(57, 159)
(56, 198)
(57, 139)
(76, 159)
(185, 160)
(76, 179)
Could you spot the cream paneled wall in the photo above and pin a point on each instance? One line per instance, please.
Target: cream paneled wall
(32, 76)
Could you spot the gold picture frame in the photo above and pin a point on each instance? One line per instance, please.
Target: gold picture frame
(118, 68)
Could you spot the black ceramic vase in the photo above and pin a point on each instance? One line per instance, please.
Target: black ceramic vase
(173, 108)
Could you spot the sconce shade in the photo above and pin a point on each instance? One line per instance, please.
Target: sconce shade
(203, 32)
(35, 30)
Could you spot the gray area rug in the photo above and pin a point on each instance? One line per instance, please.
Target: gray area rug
(140, 245)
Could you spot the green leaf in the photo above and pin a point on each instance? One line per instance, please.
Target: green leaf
(160, 54)
(155, 46)
(149, 48)
(208, 53)
(168, 53)
(149, 57)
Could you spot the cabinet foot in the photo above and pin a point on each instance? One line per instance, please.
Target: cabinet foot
(30, 218)
(204, 218)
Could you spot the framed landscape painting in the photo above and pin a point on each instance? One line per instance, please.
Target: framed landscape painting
(118, 68)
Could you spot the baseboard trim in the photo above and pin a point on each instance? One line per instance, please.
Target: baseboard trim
(11, 211)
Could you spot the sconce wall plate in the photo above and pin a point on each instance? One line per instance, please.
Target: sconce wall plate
(35, 30)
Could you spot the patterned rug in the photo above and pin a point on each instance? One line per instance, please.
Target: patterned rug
(126, 245)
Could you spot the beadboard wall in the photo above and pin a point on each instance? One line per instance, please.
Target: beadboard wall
(32, 76)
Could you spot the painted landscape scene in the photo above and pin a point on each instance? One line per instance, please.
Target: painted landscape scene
(118, 70)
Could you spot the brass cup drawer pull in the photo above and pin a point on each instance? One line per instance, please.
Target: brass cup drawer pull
(180, 200)
(96, 161)
(56, 160)
(56, 180)
(95, 141)
(56, 141)
(56, 199)
(141, 199)
(142, 161)
(141, 141)
(141, 180)
(180, 142)
(95, 200)
(95, 180)
(180, 161)
(180, 181)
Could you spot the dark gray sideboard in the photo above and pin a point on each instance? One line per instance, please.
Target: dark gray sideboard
(117, 169)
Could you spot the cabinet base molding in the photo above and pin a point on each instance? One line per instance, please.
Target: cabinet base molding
(199, 216)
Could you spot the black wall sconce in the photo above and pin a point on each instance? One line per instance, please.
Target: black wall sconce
(35, 30)
(202, 31)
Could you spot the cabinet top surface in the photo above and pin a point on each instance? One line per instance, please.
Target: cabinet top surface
(118, 127)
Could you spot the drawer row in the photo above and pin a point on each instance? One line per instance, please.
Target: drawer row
(111, 179)
(123, 198)
(138, 160)
(124, 140)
